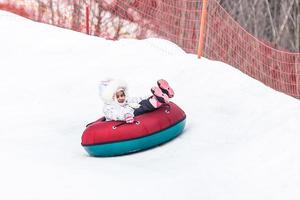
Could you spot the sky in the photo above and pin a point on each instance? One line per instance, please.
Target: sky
(241, 141)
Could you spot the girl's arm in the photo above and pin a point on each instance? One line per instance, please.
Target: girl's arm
(135, 99)
(116, 113)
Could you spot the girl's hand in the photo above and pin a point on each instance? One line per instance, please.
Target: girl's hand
(129, 118)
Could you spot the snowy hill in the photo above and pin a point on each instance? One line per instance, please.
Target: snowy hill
(242, 139)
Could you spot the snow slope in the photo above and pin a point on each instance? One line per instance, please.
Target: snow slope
(242, 139)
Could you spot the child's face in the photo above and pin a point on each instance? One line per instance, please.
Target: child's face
(120, 95)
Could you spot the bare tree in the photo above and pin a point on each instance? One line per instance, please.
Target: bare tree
(275, 21)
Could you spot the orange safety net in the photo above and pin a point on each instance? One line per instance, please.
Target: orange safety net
(228, 42)
(177, 21)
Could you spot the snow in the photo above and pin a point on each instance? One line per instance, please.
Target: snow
(242, 139)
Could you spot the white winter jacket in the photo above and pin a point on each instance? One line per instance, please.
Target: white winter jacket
(114, 111)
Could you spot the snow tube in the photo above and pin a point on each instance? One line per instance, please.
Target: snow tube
(113, 138)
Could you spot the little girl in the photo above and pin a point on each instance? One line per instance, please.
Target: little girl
(118, 106)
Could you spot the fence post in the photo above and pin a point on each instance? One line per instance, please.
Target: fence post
(87, 19)
(202, 28)
(297, 71)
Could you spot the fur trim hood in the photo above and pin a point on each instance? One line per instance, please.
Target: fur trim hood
(108, 88)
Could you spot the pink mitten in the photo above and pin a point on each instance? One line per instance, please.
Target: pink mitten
(129, 118)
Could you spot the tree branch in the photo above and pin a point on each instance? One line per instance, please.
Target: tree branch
(284, 22)
(274, 31)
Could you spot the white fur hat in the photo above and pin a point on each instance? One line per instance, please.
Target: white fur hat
(108, 88)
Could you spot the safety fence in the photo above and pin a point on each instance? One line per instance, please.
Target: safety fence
(178, 21)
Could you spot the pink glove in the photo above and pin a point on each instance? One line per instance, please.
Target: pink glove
(129, 118)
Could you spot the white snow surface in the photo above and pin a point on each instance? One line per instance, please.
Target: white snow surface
(241, 142)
